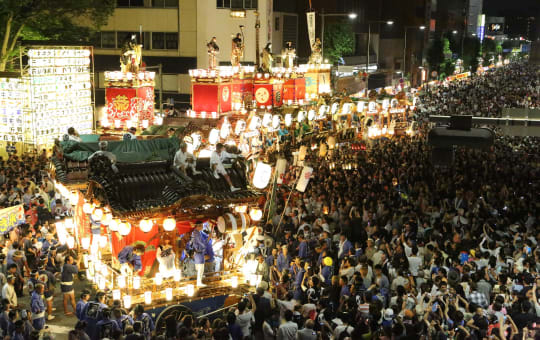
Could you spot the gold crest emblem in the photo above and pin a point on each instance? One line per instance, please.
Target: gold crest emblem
(121, 103)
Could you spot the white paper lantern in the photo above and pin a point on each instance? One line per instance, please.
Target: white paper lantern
(255, 214)
(311, 114)
(116, 294)
(70, 240)
(168, 294)
(288, 119)
(113, 225)
(97, 214)
(158, 279)
(146, 225)
(177, 275)
(301, 116)
(224, 131)
(127, 301)
(136, 282)
(234, 281)
(169, 224)
(121, 281)
(85, 243)
(267, 120)
(262, 175)
(106, 219)
(190, 290)
(239, 127)
(87, 208)
(335, 107)
(148, 297)
(124, 228)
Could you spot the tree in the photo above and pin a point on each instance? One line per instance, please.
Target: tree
(435, 54)
(338, 41)
(471, 52)
(52, 19)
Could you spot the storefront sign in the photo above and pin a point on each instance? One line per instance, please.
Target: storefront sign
(11, 217)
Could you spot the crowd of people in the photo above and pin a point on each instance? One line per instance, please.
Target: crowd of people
(516, 85)
(392, 247)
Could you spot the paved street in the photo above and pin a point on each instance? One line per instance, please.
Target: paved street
(62, 324)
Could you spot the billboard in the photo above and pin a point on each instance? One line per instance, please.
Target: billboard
(60, 91)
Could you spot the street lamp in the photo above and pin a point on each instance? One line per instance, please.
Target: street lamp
(421, 28)
(454, 32)
(351, 16)
(387, 22)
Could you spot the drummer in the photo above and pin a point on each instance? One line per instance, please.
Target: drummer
(130, 258)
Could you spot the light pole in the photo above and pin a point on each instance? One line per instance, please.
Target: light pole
(421, 28)
(351, 16)
(388, 22)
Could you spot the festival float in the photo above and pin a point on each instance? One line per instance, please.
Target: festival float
(127, 193)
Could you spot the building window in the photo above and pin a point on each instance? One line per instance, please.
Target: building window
(290, 29)
(237, 4)
(165, 3)
(164, 41)
(123, 36)
(130, 3)
(171, 41)
(108, 40)
(250, 4)
(276, 24)
(158, 40)
(223, 3)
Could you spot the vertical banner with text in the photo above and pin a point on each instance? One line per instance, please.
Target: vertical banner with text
(311, 27)
(304, 178)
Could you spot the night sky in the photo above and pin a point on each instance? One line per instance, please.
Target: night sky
(525, 7)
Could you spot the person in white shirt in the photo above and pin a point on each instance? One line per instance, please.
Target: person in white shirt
(415, 262)
(245, 316)
(287, 330)
(184, 160)
(217, 247)
(73, 135)
(216, 164)
(8, 291)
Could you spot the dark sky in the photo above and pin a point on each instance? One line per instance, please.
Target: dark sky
(499, 7)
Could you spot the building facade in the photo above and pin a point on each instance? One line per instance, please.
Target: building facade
(174, 33)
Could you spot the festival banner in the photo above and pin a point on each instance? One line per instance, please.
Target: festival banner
(304, 178)
(11, 217)
(263, 94)
(281, 166)
(311, 28)
(277, 95)
(225, 98)
(145, 97)
(121, 103)
(205, 97)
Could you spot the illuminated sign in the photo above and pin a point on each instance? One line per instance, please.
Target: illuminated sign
(495, 27)
(12, 101)
(10, 217)
(60, 92)
(480, 30)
